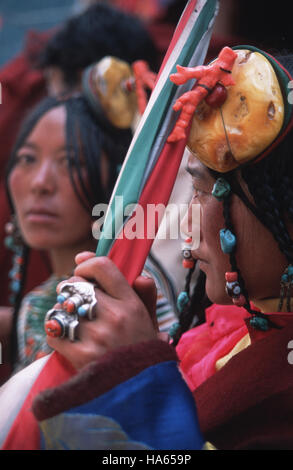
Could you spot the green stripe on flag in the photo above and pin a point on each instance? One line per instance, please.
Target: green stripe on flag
(129, 184)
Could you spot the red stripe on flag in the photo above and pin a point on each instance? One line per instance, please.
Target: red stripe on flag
(129, 255)
(178, 31)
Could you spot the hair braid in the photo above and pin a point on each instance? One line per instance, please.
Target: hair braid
(185, 315)
(195, 309)
(17, 305)
(234, 267)
(271, 207)
(232, 257)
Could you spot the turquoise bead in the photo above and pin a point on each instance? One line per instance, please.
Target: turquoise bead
(60, 299)
(221, 189)
(82, 311)
(227, 240)
(259, 323)
(15, 286)
(285, 278)
(182, 301)
(8, 242)
(12, 272)
(290, 270)
(174, 329)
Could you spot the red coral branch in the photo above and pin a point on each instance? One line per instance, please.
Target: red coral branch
(144, 78)
(207, 78)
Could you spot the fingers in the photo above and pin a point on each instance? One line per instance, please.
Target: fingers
(71, 279)
(164, 336)
(124, 315)
(147, 292)
(106, 274)
(83, 256)
(79, 353)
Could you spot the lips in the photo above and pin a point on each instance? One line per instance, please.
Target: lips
(41, 211)
(198, 257)
(40, 214)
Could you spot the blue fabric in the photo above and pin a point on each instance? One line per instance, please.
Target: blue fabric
(154, 409)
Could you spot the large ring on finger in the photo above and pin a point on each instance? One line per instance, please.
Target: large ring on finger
(58, 324)
(77, 299)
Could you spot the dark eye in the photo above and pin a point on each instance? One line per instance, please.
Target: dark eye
(25, 159)
(196, 192)
(66, 161)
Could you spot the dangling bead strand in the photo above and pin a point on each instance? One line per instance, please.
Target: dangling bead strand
(286, 288)
(233, 289)
(227, 240)
(259, 323)
(14, 242)
(221, 189)
(183, 299)
(188, 262)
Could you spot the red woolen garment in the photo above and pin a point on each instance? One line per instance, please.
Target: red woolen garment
(248, 404)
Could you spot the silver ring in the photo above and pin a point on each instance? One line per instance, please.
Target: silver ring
(77, 300)
(78, 297)
(59, 324)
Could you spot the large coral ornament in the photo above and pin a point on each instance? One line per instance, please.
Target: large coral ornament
(211, 82)
(249, 120)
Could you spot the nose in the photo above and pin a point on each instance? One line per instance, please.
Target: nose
(185, 225)
(190, 224)
(44, 179)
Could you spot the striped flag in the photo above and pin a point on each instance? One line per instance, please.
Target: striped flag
(151, 165)
(147, 177)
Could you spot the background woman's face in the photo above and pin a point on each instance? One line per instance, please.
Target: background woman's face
(48, 210)
(257, 254)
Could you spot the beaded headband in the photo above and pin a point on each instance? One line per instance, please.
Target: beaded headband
(239, 106)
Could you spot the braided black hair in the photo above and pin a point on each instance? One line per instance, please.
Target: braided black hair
(194, 311)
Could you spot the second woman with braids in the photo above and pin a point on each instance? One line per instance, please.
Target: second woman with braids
(65, 161)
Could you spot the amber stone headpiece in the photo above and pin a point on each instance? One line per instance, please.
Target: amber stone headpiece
(239, 124)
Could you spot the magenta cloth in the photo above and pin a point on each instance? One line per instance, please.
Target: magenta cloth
(200, 348)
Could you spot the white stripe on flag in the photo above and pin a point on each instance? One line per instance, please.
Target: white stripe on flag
(14, 392)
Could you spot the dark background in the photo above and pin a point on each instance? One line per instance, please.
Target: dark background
(17, 17)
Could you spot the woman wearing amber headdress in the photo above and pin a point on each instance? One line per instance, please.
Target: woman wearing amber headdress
(237, 364)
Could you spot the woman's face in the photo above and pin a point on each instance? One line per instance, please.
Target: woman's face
(258, 257)
(49, 213)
